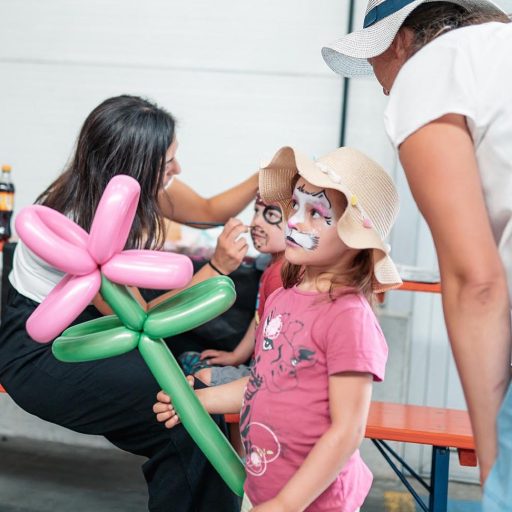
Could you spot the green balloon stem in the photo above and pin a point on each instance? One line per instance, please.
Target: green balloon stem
(124, 305)
(194, 417)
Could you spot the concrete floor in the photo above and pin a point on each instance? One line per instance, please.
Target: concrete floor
(39, 476)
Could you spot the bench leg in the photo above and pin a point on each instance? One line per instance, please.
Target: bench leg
(438, 501)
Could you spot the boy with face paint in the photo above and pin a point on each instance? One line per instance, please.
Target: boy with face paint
(215, 367)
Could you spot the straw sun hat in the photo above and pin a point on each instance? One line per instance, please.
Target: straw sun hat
(372, 200)
(383, 18)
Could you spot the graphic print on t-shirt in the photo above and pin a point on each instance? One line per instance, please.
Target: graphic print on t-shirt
(277, 369)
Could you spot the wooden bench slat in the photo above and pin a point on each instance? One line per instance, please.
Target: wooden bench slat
(417, 424)
(420, 424)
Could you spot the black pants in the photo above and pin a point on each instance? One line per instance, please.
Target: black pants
(113, 398)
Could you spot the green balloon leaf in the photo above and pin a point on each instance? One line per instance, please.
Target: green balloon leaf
(93, 326)
(190, 308)
(95, 345)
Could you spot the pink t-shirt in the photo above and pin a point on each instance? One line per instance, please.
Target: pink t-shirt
(303, 338)
(269, 282)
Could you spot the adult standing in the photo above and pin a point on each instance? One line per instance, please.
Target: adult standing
(114, 397)
(446, 68)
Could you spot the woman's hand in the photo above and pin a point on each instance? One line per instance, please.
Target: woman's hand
(164, 409)
(231, 247)
(219, 357)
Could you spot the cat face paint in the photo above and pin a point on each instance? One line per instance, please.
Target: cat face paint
(311, 231)
(311, 211)
(267, 228)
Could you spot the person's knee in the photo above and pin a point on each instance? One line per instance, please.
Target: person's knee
(205, 375)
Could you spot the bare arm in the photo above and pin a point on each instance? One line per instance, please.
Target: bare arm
(223, 399)
(439, 161)
(349, 399)
(216, 400)
(239, 355)
(181, 203)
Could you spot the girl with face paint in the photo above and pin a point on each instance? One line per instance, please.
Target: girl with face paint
(215, 367)
(319, 346)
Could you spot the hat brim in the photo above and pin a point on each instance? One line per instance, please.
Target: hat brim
(276, 185)
(348, 56)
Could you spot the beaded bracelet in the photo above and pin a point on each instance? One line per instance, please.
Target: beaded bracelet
(215, 268)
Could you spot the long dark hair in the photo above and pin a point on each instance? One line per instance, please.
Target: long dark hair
(123, 135)
(431, 19)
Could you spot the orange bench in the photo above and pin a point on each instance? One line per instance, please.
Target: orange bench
(440, 428)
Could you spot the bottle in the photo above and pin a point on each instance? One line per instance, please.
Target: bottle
(6, 204)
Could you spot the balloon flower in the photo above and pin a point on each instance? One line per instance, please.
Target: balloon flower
(96, 262)
(84, 257)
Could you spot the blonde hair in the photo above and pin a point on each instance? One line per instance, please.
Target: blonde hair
(359, 277)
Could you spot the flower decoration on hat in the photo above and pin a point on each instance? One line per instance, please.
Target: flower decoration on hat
(85, 256)
(353, 199)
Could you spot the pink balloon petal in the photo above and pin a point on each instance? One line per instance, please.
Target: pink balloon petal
(113, 218)
(149, 269)
(62, 305)
(62, 225)
(56, 239)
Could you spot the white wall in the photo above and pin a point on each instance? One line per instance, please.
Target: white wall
(241, 78)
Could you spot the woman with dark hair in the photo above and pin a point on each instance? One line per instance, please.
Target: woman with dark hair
(114, 397)
(447, 70)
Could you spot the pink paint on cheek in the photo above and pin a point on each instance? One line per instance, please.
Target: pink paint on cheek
(322, 210)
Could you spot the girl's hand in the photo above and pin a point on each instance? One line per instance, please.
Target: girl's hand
(164, 409)
(231, 248)
(219, 357)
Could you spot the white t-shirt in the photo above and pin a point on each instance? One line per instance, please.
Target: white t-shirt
(31, 276)
(467, 71)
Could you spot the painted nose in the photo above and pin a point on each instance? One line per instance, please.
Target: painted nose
(294, 221)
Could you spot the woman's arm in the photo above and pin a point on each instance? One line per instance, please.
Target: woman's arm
(349, 401)
(439, 161)
(182, 204)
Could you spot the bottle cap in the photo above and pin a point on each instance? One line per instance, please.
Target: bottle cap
(6, 168)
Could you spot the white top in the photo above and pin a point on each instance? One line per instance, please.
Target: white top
(467, 71)
(31, 276)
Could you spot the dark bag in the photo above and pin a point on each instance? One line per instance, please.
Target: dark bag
(7, 257)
